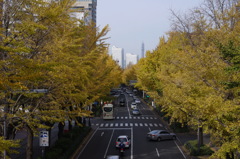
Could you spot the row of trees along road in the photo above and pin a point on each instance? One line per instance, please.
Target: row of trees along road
(43, 47)
(193, 74)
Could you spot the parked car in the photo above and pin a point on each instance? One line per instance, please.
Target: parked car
(137, 100)
(160, 135)
(136, 112)
(134, 105)
(125, 139)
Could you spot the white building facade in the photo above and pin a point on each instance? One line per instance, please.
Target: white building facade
(85, 10)
(118, 55)
(131, 59)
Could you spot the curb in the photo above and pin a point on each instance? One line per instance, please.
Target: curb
(82, 144)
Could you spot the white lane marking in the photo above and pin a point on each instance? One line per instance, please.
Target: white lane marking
(149, 129)
(131, 143)
(108, 144)
(180, 150)
(102, 133)
(157, 152)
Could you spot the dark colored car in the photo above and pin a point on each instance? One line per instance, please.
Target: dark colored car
(122, 103)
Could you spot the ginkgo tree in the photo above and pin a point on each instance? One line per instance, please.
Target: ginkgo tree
(190, 75)
(44, 48)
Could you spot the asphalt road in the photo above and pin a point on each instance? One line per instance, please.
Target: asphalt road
(102, 142)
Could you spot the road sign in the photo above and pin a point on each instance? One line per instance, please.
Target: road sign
(44, 138)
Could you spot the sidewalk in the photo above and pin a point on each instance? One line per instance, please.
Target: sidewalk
(37, 150)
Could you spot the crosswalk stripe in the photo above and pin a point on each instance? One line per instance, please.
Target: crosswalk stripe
(142, 117)
(130, 117)
(134, 117)
(121, 117)
(151, 117)
(138, 117)
(117, 117)
(127, 124)
(126, 117)
(146, 117)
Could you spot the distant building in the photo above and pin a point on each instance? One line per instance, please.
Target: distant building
(131, 59)
(143, 51)
(118, 55)
(85, 10)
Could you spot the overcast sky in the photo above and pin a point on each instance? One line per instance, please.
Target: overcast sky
(133, 22)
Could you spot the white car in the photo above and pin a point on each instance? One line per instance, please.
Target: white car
(134, 105)
(125, 139)
(137, 101)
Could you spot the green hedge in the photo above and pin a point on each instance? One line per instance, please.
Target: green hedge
(68, 143)
(192, 146)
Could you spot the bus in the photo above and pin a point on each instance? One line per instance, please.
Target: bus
(108, 112)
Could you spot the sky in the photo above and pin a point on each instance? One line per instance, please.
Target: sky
(133, 22)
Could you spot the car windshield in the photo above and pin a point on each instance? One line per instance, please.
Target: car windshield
(122, 139)
(154, 131)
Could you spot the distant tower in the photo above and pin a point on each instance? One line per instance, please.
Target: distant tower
(143, 50)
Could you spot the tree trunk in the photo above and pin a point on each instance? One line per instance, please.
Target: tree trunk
(29, 149)
(200, 138)
(60, 129)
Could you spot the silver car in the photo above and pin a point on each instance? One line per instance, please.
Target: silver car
(160, 135)
(113, 157)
